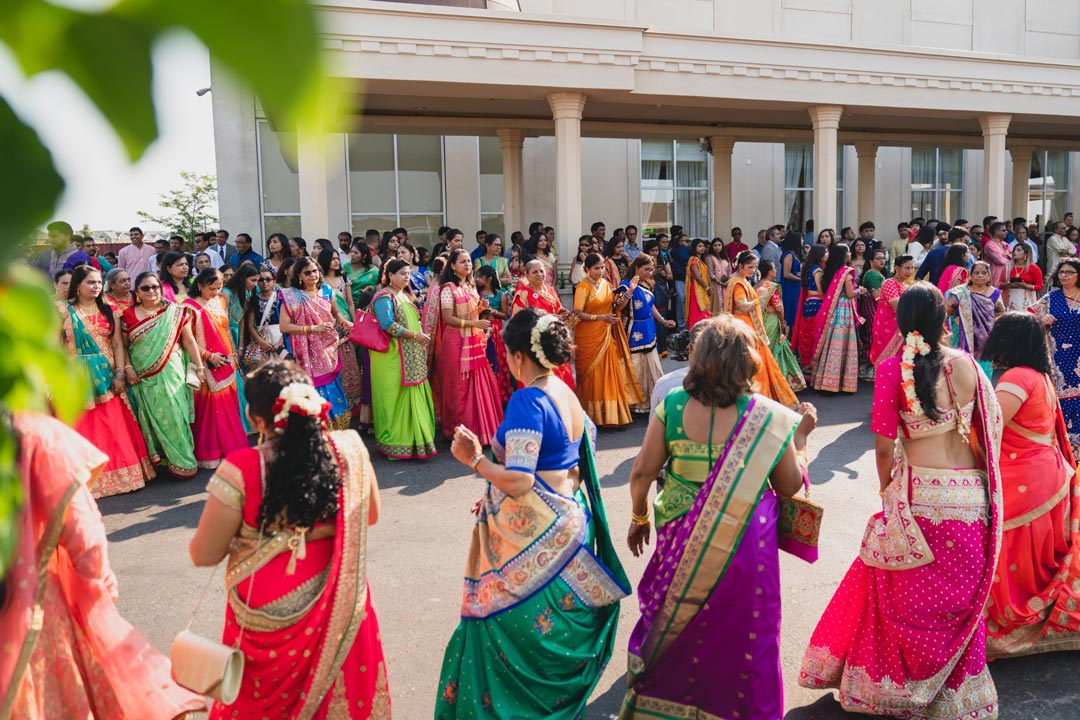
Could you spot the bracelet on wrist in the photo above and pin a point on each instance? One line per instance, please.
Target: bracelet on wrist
(636, 519)
(476, 460)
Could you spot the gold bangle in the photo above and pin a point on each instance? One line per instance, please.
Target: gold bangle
(476, 460)
(636, 519)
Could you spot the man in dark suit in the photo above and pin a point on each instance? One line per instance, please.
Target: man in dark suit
(222, 247)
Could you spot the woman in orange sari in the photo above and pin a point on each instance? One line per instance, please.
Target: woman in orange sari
(292, 517)
(742, 302)
(217, 429)
(534, 292)
(1034, 606)
(68, 653)
(698, 293)
(606, 382)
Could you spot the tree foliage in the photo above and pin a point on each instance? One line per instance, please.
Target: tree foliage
(106, 52)
(190, 206)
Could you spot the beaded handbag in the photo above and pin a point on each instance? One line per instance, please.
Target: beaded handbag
(800, 524)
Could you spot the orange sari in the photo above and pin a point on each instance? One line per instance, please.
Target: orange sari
(698, 299)
(770, 380)
(607, 384)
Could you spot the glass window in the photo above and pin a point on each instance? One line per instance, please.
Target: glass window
(279, 177)
(423, 229)
(799, 185)
(288, 224)
(937, 183)
(383, 223)
(396, 181)
(674, 187)
(420, 169)
(1048, 188)
(371, 174)
(493, 223)
(491, 176)
(691, 165)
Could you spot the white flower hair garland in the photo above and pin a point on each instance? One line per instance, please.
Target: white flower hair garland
(538, 330)
(302, 399)
(913, 344)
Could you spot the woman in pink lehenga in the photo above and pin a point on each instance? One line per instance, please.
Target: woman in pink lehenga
(68, 653)
(904, 635)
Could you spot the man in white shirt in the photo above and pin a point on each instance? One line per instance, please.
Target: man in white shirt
(202, 245)
(138, 256)
(1058, 247)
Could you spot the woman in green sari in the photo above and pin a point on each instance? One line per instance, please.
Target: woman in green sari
(237, 292)
(772, 314)
(401, 395)
(542, 583)
(154, 331)
(362, 273)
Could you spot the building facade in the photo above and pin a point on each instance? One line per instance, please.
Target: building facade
(704, 113)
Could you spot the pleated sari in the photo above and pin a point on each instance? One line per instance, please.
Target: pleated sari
(770, 380)
(836, 356)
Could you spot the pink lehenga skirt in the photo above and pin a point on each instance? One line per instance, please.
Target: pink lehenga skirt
(904, 635)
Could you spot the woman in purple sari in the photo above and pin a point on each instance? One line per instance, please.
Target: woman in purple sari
(706, 645)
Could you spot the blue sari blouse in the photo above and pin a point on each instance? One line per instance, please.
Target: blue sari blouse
(532, 436)
(642, 332)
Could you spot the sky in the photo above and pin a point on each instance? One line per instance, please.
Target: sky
(103, 190)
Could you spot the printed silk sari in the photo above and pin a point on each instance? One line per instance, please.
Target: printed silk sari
(352, 383)
(1064, 339)
(164, 403)
(641, 331)
(68, 653)
(547, 301)
(698, 300)
(310, 634)
(904, 634)
(886, 336)
(109, 421)
(317, 353)
(974, 318)
(770, 380)
(836, 356)
(805, 330)
(542, 583)
(708, 641)
(769, 296)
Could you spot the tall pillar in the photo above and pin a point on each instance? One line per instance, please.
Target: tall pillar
(566, 108)
(313, 165)
(722, 147)
(995, 126)
(867, 154)
(512, 142)
(826, 120)
(1021, 176)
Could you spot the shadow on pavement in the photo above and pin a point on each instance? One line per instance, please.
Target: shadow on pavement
(825, 708)
(839, 455)
(608, 704)
(179, 516)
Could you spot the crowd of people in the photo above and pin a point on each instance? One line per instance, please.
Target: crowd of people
(185, 365)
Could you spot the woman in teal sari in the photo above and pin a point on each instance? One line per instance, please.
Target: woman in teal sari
(157, 334)
(237, 292)
(401, 395)
(543, 583)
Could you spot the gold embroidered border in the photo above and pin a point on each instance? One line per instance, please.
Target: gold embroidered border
(1041, 510)
(651, 707)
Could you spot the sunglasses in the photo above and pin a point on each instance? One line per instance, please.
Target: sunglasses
(310, 272)
(270, 279)
(149, 288)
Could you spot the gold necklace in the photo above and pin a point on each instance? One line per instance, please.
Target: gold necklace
(541, 376)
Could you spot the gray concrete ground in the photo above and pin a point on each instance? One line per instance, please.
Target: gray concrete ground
(417, 553)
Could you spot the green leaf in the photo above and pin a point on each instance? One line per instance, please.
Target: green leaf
(29, 185)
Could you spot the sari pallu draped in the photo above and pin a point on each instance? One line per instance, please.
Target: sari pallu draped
(607, 383)
(109, 421)
(495, 350)
(68, 653)
(352, 383)
(217, 429)
(310, 634)
(886, 341)
(805, 330)
(317, 353)
(973, 321)
(718, 268)
(1064, 339)
(698, 297)
(769, 296)
(641, 331)
(707, 645)
(402, 407)
(164, 403)
(1035, 600)
(836, 357)
(547, 301)
(904, 634)
(769, 380)
(951, 277)
(236, 331)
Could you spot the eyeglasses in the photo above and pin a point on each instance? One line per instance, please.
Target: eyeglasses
(270, 279)
(149, 288)
(1066, 272)
(310, 272)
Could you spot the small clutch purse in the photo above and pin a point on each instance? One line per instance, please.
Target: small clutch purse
(192, 379)
(207, 667)
(799, 525)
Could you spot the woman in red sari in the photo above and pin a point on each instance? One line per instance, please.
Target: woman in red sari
(217, 429)
(68, 653)
(292, 517)
(887, 340)
(804, 334)
(534, 292)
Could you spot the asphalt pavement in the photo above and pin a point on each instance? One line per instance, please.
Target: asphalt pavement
(417, 554)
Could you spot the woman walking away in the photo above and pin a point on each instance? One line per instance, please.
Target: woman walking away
(707, 645)
(68, 651)
(606, 381)
(157, 335)
(867, 304)
(772, 314)
(642, 326)
(790, 273)
(903, 635)
(1033, 604)
(836, 357)
(743, 303)
(887, 341)
(92, 335)
(401, 395)
(1059, 311)
(292, 517)
(972, 310)
(805, 331)
(542, 582)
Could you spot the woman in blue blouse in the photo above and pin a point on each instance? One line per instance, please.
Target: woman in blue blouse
(641, 332)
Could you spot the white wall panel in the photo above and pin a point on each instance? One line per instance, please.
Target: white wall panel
(757, 189)
(836, 6)
(695, 15)
(950, 11)
(462, 183)
(605, 174)
(1053, 45)
(816, 26)
(997, 27)
(538, 160)
(1053, 16)
(880, 22)
(934, 34)
(738, 17)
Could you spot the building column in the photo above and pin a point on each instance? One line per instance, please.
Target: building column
(995, 126)
(1021, 176)
(313, 165)
(721, 147)
(826, 120)
(867, 154)
(512, 142)
(566, 108)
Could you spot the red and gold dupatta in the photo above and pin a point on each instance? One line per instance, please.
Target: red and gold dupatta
(214, 339)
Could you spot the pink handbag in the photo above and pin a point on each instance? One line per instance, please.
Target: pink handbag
(367, 333)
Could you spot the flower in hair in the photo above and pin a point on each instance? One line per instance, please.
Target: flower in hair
(301, 399)
(913, 345)
(542, 324)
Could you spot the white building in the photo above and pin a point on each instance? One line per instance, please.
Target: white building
(706, 113)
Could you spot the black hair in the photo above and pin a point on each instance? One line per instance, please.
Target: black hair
(745, 258)
(555, 341)
(867, 226)
(138, 281)
(1017, 339)
(439, 248)
(694, 246)
(61, 273)
(78, 274)
(283, 272)
(237, 283)
(490, 239)
(921, 309)
(223, 231)
(361, 247)
(793, 242)
(325, 257)
(592, 260)
(384, 245)
(533, 246)
(209, 276)
(322, 244)
(838, 258)
(765, 267)
(303, 478)
(453, 233)
(389, 268)
(493, 277)
(649, 245)
(955, 256)
(448, 274)
(1071, 262)
(596, 226)
(300, 243)
(297, 268)
(167, 261)
(814, 256)
(926, 236)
